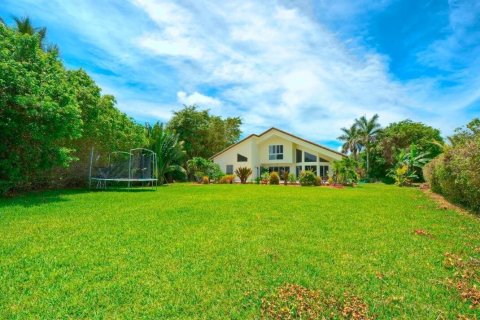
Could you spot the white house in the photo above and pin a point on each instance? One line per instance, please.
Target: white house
(277, 150)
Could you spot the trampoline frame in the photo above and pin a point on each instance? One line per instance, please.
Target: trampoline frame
(102, 182)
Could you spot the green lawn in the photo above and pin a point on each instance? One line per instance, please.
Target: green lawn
(214, 251)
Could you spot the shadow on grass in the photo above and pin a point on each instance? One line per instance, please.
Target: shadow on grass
(39, 198)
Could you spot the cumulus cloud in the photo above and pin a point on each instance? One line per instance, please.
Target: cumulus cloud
(197, 99)
(271, 62)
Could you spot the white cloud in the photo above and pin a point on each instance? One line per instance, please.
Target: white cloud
(269, 62)
(197, 99)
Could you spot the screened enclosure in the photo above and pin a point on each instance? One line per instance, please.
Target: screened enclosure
(136, 167)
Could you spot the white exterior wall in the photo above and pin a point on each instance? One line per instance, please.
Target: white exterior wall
(256, 149)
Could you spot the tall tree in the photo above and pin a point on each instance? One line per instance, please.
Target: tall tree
(351, 139)
(368, 130)
(204, 134)
(24, 26)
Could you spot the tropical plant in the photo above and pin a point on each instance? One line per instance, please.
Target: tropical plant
(243, 173)
(307, 178)
(318, 181)
(408, 162)
(291, 178)
(274, 178)
(169, 149)
(367, 132)
(345, 171)
(351, 138)
(24, 26)
(265, 177)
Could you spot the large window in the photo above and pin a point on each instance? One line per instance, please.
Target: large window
(279, 170)
(323, 171)
(298, 170)
(229, 169)
(241, 158)
(311, 168)
(310, 157)
(322, 160)
(275, 152)
(299, 155)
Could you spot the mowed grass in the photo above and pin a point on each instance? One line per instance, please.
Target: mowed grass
(214, 251)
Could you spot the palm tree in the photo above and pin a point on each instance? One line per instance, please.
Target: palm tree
(367, 130)
(24, 26)
(351, 140)
(169, 149)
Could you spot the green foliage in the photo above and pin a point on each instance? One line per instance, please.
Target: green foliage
(291, 178)
(352, 140)
(265, 177)
(307, 178)
(243, 173)
(168, 148)
(318, 181)
(274, 178)
(407, 162)
(368, 129)
(200, 167)
(39, 114)
(456, 173)
(50, 116)
(204, 134)
(345, 171)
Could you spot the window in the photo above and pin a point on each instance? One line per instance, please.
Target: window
(311, 168)
(323, 171)
(310, 157)
(229, 169)
(299, 155)
(275, 152)
(322, 160)
(298, 169)
(279, 170)
(241, 158)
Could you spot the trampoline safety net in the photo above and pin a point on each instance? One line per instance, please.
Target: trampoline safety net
(137, 165)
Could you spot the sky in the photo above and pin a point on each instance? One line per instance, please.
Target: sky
(304, 66)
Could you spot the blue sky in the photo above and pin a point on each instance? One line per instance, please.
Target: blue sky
(308, 67)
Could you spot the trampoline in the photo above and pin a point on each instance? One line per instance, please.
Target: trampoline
(136, 166)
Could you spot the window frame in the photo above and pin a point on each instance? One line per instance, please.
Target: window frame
(239, 156)
(275, 152)
(227, 167)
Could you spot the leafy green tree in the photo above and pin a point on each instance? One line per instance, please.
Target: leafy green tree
(168, 147)
(368, 130)
(200, 167)
(204, 134)
(401, 135)
(345, 171)
(39, 114)
(352, 140)
(24, 26)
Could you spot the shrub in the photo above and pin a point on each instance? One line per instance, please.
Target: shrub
(284, 177)
(265, 177)
(205, 180)
(456, 173)
(274, 178)
(258, 180)
(243, 173)
(292, 179)
(227, 179)
(307, 178)
(330, 181)
(318, 181)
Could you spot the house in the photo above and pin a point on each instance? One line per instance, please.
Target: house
(277, 150)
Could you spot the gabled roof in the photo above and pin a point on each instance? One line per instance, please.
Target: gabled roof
(284, 132)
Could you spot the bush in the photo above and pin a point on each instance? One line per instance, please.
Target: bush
(205, 180)
(307, 178)
(292, 179)
(330, 181)
(243, 173)
(227, 179)
(258, 180)
(456, 173)
(265, 177)
(274, 178)
(318, 181)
